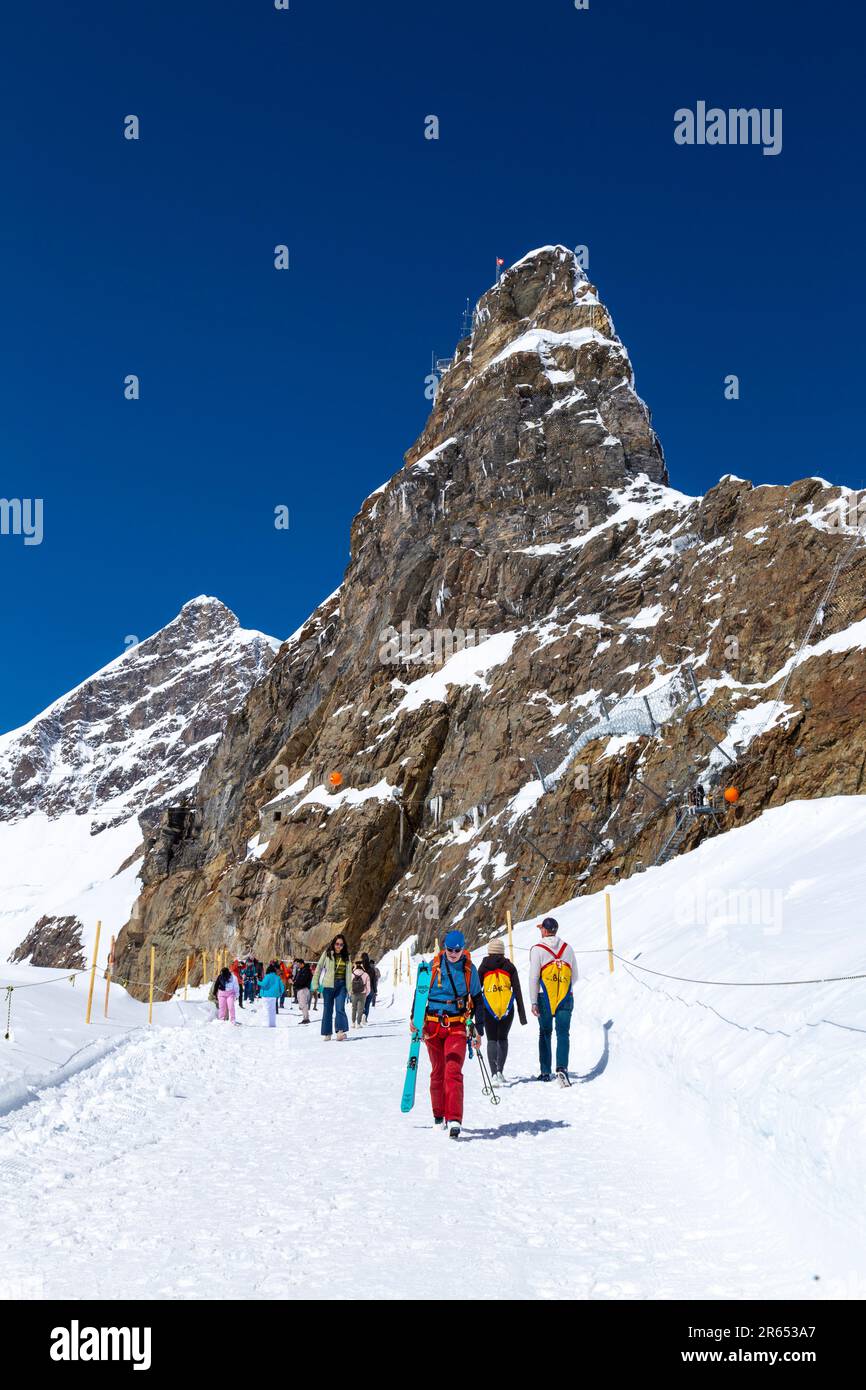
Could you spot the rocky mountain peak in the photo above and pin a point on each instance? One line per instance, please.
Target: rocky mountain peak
(141, 728)
(526, 588)
(542, 384)
(545, 289)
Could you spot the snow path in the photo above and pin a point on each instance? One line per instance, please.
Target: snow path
(214, 1162)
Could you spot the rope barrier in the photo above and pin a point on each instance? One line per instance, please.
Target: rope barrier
(737, 984)
(38, 983)
(743, 1027)
(688, 980)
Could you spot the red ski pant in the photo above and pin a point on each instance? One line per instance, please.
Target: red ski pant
(447, 1049)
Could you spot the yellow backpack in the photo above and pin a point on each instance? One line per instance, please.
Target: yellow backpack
(555, 976)
(498, 992)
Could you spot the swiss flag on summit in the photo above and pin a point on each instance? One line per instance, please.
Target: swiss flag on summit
(499, 260)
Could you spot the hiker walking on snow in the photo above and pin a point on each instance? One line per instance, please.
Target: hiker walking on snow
(302, 978)
(251, 979)
(455, 997)
(500, 985)
(370, 966)
(271, 990)
(237, 971)
(552, 972)
(360, 993)
(227, 992)
(332, 979)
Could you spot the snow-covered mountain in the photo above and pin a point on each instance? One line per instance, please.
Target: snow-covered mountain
(130, 740)
(538, 648)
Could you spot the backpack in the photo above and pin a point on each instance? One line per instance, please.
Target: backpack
(357, 984)
(555, 976)
(498, 991)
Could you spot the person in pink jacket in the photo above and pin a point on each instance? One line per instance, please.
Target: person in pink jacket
(227, 992)
(359, 988)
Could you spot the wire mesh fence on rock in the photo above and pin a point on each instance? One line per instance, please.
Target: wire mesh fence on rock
(633, 714)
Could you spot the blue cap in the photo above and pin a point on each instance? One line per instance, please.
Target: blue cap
(454, 941)
(550, 924)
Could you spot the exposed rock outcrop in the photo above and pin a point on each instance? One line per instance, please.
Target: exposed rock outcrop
(528, 560)
(54, 941)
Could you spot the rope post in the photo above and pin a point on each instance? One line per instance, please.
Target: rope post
(108, 974)
(510, 938)
(204, 967)
(395, 968)
(609, 931)
(186, 977)
(8, 1034)
(93, 974)
(150, 1001)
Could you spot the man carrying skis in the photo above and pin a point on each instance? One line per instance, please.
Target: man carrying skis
(455, 999)
(552, 972)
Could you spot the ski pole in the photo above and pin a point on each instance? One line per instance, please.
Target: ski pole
(486, 1083)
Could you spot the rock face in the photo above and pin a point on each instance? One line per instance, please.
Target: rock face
(526, 571)
(54, 941)
(132, 739)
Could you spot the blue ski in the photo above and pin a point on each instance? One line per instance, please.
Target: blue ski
(419, 1008)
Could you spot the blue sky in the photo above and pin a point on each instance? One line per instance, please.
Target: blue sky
(304, 388)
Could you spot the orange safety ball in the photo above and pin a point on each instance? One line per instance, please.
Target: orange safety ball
(731, 795)
(336, 779)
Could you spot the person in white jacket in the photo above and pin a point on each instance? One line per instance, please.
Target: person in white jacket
(552, 972)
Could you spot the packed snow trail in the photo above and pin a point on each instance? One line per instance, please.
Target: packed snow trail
(215, 1162)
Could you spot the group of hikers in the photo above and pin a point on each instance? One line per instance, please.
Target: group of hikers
(335, 977)
(465, 1004)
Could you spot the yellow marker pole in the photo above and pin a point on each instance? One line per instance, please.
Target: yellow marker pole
(408, 966)
(395, 968)
(108, 975)
(204, 967)
(150, 1004)
(510, 938)
(93, 974)
(186, 978)
(609, 930)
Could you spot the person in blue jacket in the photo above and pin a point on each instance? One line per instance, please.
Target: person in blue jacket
(455, 998)
(271, 989)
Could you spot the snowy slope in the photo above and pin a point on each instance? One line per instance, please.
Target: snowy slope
(779, 1065)
(714, 1146)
